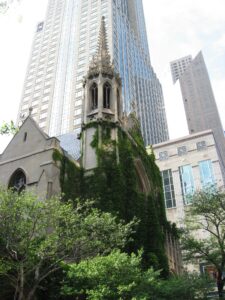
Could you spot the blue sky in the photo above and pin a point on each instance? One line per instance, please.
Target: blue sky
(175, 28)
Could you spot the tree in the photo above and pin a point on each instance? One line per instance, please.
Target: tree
(36, 236)
(186, 286)
(8, 128)
(112, 277)
(5, 5)
(120, 276)
(207, 214)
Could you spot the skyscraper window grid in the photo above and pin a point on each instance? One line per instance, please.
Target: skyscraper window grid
(73, 29)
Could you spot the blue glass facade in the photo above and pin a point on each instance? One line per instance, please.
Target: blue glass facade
(131, 59)
(206, 173)
(187, 182)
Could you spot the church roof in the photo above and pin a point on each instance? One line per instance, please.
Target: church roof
(70, 143)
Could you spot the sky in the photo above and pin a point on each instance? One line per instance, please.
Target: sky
(175, 29)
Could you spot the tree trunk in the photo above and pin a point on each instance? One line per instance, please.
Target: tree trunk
(16, 291)
(220, 284)
(31, 295)
(21, 283)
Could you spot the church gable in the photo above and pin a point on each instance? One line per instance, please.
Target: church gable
(29, 139)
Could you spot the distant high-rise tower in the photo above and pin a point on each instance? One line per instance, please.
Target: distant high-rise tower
(199, 102)
(179, 66)
(62, 49)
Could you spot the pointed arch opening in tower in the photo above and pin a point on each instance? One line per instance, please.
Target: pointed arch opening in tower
(94, 96)
(106, 95)
(17, 181)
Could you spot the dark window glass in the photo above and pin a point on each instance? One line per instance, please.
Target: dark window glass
(94, 96)
(40, 26)
(18, 181)
(106, 95)
(168, 188)
(187, 182)
(206, 173)
(201, 145)
(182, 150)
(163, 155)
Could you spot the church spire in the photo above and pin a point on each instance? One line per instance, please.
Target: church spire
(102, 53)
(101, 61)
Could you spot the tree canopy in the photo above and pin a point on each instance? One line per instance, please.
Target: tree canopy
(8, 128)
(204, 237)
(36, 236)
(120, 276)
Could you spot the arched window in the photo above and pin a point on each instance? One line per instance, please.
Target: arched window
(18, 181)
(94, 96)
(106, 95)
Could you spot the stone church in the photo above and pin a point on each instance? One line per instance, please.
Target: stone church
(28, 161)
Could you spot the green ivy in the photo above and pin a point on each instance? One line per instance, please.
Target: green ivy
(71, 176)
(114, 186)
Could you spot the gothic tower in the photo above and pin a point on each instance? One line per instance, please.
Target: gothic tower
(102, 101)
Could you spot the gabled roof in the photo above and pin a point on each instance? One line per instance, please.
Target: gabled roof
(29, 138)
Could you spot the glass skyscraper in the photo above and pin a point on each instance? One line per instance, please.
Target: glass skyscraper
(64, 44)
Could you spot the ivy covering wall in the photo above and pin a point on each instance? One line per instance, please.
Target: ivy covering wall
(115, 187)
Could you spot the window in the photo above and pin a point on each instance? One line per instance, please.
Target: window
(47, 90)
(168, 188)
(77, 112)
(45, 98)
(163, 155)
(27, 91)
(78, 103)
(201, 145)
(25, 136)
(18, 181)
(40, 26)
(37, 94)
(42, 124)
(44, 106)
(106, 95)
(25, 106)
(94, 96)
(43, 116)
(182, 150)
(77, 121)
(187, 182)
(206, 173)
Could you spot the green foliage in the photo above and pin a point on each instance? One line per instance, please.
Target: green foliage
(5, 5)
(116, 276)
(35, 236)
(206, 215)
(120, 276)
(70, 176)
(115, 184)
(8, 128)
(187, 287)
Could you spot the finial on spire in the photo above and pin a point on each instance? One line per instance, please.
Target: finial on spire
(101, 60)
(30, 110)
(102, 52)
